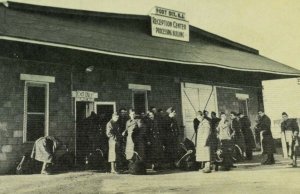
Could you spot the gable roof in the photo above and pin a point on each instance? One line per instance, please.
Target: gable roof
(128, 36)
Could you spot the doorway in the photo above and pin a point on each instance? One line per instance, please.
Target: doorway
(196, 97)
(83, 111)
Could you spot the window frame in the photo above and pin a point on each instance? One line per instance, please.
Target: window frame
(145, 92)
(46, 112)
(243, 98)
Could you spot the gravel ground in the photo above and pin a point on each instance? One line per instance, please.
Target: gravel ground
(245, 179)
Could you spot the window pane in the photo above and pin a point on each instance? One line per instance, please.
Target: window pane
(35, 126)
(36, 99)
(243, 107)
(139, 102)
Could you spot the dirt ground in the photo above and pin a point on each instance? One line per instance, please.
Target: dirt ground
(245, 179)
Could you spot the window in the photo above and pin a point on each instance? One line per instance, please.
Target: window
(139, 97)
(243, 106)
(243, 103)
(36, 104)
(140, 102)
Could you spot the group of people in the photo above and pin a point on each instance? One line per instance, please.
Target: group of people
(154, 139)
(222, 139)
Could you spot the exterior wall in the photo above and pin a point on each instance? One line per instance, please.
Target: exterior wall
(281, 96)
(227, 101)
(12, 108)
(109, 79)
(112, 85)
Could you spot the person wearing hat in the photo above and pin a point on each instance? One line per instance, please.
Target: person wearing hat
(171, 137)
(237, 135)
(267, 142)
(290, 129)
(112, 132)
(248, 135)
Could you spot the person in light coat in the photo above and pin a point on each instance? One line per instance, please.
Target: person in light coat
(112, 132)
(203, 145)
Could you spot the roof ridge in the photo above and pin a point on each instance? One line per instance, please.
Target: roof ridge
(89, 13)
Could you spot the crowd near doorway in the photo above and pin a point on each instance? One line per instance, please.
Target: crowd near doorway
(91, 117)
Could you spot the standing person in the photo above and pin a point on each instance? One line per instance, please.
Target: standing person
(237, 135)
(267, 142)
(131, 127)
(155, 153)
(206, 115)
(93, 131)
(224, 137)
(171, 137)
(257, 134)
(153, 109)
(123, 118)
(140, 138)
(196, 123)
(203, 144)
(248, 135)
(213, 136)
(290, 129)
(112, 132)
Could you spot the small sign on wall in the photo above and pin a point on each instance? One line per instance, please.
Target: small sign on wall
(84, 96)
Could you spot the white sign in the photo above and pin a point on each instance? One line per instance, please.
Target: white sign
(168, 13)
(169, 24)
(84, 96)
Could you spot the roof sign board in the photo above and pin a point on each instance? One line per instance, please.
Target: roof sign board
(169, 24)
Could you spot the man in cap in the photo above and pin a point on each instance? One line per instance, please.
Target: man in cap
(248, 135)
(267, 142)
(290, 129)
(171, 137)
(237, 135)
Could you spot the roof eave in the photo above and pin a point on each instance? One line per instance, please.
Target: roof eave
(59, 45)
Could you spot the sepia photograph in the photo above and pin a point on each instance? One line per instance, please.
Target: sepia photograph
(149, 96)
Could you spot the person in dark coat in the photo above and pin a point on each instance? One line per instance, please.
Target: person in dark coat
(123, 118)
(140, 138)
(290, 129)
(213, 136)
(155, 149)
(93, 131)
(267, 142)
(171, 137)
(196, 123)
(237, 135)
(248, 135)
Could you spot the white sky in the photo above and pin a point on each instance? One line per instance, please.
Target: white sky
(271, 26)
